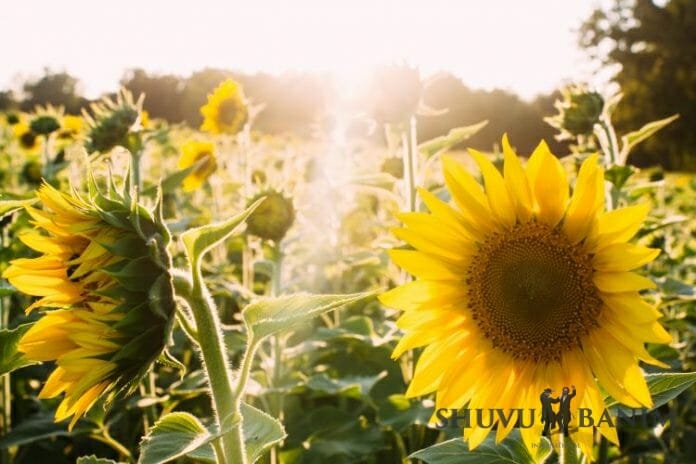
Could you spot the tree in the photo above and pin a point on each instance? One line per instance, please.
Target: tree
(655, 48)
(58, 89)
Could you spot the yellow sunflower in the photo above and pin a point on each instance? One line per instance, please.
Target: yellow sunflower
(28, 140)
(522, 287)
(109, 304)
(226, 109)
(201, 154)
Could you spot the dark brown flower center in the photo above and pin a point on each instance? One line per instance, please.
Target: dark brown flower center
(228, 111)
(531, 292)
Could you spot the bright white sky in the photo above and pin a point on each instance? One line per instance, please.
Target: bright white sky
(528, 46)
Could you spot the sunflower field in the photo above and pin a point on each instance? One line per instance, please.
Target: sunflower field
(216, 294)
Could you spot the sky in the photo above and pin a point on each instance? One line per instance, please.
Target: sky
(526, 46)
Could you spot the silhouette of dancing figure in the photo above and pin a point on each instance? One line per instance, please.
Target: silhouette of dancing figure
(547, 415)
(564, 409)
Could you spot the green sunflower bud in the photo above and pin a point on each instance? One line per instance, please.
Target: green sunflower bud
(44, 125)
(578, 112)
(272, 219)
(31, 172)
(111, 123)
(105, 286)
(12, 118)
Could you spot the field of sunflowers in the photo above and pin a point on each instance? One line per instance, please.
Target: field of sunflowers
(213, 294)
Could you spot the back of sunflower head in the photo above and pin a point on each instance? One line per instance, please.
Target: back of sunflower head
(105, 290)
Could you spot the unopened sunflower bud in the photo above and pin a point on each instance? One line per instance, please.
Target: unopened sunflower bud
(103, 280)
(31, 172)
(111, 123)
(578, 112)
(44, 125)
(272, 219)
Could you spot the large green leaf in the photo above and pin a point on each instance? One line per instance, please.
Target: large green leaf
(173, 436)
(663, 387)
(10, 359)
(453, 137)
(261, 432)
(268, 316)
(630, 140)
(200, 240)
(94, 460)
(511, 451)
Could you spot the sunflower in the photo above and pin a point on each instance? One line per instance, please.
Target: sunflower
(520, 287)
(201, 154)
(226, 109)
(29, 141)
(107, 294)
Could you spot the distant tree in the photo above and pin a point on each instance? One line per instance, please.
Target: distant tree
(506, 113)
(655, 48)
(58, 89)
(7, 100)
(162, 93)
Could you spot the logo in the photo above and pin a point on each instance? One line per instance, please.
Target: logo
(562, 417)
(554, 413)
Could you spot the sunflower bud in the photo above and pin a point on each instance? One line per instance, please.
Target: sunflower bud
(12, 118)
(272, 219)
(31, 172)
(44, 125)
(578, 112)
(103, 279)
(111, 123)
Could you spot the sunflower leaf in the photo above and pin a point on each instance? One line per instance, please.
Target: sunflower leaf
(663, 387)
(173, 436)
(94, 460)
(511, 451)
(268, 316)
(200, 240)
(630, 140)
(453, 137)
(261, 431)
(10, 358)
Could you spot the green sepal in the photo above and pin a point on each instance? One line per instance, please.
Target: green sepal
(136, 275)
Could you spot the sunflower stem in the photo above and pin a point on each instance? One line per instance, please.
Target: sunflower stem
(277, 342)
(226, 399)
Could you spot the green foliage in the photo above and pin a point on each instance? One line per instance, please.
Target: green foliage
(654, 45)
(511, 450)
(10, 359)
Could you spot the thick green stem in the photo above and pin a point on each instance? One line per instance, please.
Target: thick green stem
(6, 382)
(277, 343)
(226, 401)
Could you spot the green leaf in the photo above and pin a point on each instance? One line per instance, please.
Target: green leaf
(261, 432)
(10, 206)
(94, 460)
(173, 436)
(268, 316)
(200, 240)
(511, 450)
(630, 140)
(663, 387)
(38, 427)
(453, 137)
(352, 387)
(10, 359)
